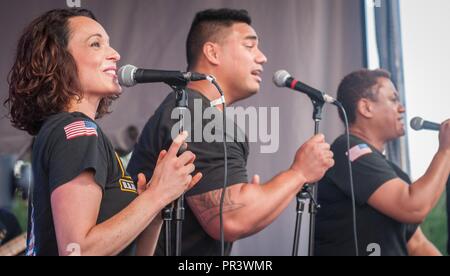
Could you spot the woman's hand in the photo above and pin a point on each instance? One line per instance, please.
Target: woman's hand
(172, 175)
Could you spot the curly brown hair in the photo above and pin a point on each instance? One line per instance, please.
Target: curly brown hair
(44, 77)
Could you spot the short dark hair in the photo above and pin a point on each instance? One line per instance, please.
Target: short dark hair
(206, 27)
(359, 85)
(44, 77)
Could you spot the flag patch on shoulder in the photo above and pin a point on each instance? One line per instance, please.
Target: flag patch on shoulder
(358, 151)
(80, 128)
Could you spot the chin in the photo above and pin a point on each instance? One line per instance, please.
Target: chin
(116, 90)
(254, 90)
(399, 134)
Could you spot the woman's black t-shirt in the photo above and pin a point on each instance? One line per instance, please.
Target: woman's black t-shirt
(67, 145)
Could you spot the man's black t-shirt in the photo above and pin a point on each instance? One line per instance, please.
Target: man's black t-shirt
(377, 233)
(67, 145)
(157, 135)
(9, 226)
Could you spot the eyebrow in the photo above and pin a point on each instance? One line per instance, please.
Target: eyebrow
(98, 35)
(252, 37)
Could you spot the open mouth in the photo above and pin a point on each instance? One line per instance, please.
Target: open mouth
(112, 71)
(401, 122)
(257, 74)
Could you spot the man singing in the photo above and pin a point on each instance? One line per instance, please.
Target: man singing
(389, 207)
(223, 43)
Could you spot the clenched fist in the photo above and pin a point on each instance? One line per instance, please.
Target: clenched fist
(444, 136)
(313, 159)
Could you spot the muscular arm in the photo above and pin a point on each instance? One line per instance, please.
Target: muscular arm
(248, 208)
(412, 203)
(419, 245)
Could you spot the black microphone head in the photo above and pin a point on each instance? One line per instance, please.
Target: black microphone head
(280, 77)
(126, 75)
(417, 123)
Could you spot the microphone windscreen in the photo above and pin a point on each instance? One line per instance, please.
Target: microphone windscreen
(280, 77)
(126, 75)
(417, 123)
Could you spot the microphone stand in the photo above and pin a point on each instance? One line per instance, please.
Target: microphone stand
(308, 192)
(181, 103)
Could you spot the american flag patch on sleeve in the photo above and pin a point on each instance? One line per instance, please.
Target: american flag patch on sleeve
(359, 151)
(80, 128)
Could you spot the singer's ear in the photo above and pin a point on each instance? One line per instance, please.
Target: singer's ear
(365, 108)
(211, 52)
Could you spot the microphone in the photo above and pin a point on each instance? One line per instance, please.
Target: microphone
(130, 75)
(283, 79)
(418, 123)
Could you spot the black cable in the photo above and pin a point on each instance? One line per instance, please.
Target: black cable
(225, 178)
(350, 170)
